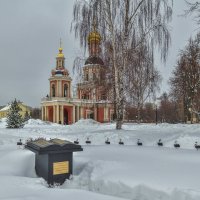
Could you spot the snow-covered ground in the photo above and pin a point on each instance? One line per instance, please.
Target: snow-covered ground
(102, 171)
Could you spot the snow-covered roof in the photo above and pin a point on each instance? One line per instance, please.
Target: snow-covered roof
(8, 107)
(5, 108)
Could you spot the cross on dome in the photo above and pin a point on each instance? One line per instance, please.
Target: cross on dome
(60, 54)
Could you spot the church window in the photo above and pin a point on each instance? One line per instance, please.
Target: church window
(103, 97)
(86, 77)
(85, 96)
(60, 63)
(65, 90)
(94, 76)
(53, 91)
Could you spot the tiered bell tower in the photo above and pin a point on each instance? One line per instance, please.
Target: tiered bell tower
(56, 107)
(60, 81)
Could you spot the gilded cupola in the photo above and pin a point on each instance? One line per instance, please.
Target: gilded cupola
(94, 42)
(94, 36)
(60, 63)
(60, 53)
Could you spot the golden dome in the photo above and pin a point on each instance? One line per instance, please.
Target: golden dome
(60, 54)
(94, 36)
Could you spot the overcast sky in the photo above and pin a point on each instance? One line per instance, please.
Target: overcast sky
(30, 31)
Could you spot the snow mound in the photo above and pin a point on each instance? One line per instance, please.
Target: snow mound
(3, 122)
(86, 122)
(37, 122)
(18, 163)
(150, 174)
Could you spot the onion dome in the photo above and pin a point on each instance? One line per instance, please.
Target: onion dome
(60, 54)
(94, 36)
(95, 60)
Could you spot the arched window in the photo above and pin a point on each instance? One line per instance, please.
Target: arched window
(53, 91)
(60, 63)
(65, 90)
(86, 77)
(94, 76)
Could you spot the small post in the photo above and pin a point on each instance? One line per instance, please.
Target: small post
(156, 115)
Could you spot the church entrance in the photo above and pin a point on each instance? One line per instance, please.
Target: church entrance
(66, 118)
(89, 114)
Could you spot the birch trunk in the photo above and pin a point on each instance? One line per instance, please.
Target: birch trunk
(118, 87)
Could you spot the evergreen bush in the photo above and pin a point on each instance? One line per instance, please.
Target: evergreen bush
(14, 119)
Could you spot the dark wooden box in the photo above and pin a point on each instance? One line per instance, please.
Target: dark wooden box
(53, 159)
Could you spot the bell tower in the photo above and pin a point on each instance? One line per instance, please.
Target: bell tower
(57, 106)
(60, 81)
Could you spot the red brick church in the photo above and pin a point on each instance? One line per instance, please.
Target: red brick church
(92, 100)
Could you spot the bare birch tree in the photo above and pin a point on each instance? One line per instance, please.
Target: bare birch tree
(193, 9)
(126, 24)
(142, 79)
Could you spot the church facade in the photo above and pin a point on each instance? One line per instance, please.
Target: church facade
(92, 100)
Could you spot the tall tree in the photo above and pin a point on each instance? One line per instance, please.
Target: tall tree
(35, 113)
(185, 83)
(14, 119)
(26, 117)
(168, 111)
(142, 79)
(126, 24)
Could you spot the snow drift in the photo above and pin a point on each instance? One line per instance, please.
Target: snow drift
(106, 171)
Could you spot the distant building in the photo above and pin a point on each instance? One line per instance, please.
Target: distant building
(92, 101)
(24, 109)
